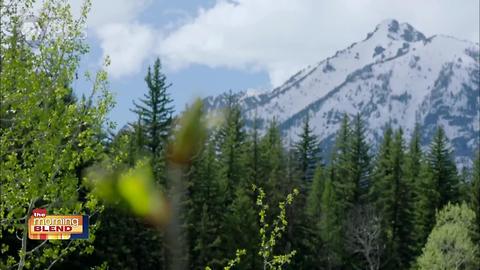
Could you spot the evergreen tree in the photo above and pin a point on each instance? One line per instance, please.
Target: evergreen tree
(243, 227)
(137, 142)
(359, 161)
(349, 173)
(425, 205)
(315, 194)
(232, 146)
(272, 160)
(155, 113)
(391, 194)
(412, 168)
(382, 173)
(148, 137)
(465, 179)
(313, 220)
(298, 229)
(306, 157)
(404, 209)
(205, 211)
(125, 227)
(339, 171)
(231, 139)
(307, 151)
(331, 230)
(443, 169)
(438, 185)
(418, 176)
(253, 154)
(475, 195)
(413, 161)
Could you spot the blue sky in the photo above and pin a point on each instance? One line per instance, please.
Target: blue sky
(208, 47)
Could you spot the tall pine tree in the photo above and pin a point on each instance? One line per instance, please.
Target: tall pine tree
(231, 146)
(331, 228)
(272, 160)
(437, 186)
(307, 151)
(390, 193)
(205, 211)
(337, 198)
(475, 195)
(443, 169)
(339, 169)
(313, 207)
(359, 161)
(155, 113)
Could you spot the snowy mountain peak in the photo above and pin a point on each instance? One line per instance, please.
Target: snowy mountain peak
(395, 76)
(397, 31)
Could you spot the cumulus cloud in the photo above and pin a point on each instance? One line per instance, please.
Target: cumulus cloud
(126, 41)
(127, 45)
(282, 36)
(115, 11)
(109, 11)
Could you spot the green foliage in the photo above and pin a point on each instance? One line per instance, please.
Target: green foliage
(331, 226)
(307, 152)
(475, 194)
(236, 260)
(347, 183)
(271, 233)
(231, 143)
(176, 193)
(339, 168)
(272, 162)
(438, 185)
(312, 254)
(205, 211)
(232, 262)
(133, 187)
(392, 195)
(155, 111)
(241, 222)
(253, 164)
(450, 244)
(315, 195)
(415, 176)
(359, 166)
(46, 136)
(443, 169)
(302, 162)
(191, 124)
(336, 199)
(425, 205)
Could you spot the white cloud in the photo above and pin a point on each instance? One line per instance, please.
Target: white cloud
(121, 37)
(127, 45)
(111, 11)
(282, 36)
(105, 11)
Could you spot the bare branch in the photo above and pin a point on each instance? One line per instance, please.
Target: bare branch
(364, 235)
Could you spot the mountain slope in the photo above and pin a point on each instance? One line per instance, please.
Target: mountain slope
(396, 75)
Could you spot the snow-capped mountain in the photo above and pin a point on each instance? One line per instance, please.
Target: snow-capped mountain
(395, 75)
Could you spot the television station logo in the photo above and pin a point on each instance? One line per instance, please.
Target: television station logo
(59, 227)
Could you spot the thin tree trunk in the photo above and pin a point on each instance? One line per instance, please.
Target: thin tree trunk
(23, 250)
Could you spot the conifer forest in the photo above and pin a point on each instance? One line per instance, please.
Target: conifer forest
(196, 189)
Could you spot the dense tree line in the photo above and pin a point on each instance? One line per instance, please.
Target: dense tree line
(355, 207)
